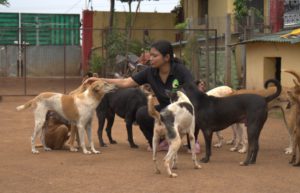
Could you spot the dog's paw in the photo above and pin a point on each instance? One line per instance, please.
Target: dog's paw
(96, 152)
(230, 142)
(233, 149)
(218, 145)
(103, 145)
(134, 146)
(173, 175)
(34, 151)
(288, 150)
(73, 149)
(87, 152)
(198, 166)
(243, 164)
(296, 164)
(204, 160)
(243, 150)
(47, 149)
(113, 142)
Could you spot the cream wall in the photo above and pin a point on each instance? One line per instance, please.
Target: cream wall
(142, 21)
(256, 57)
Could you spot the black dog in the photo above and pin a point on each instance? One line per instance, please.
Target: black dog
(124, 103)
(214, 114)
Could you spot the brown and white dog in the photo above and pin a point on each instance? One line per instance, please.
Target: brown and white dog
(173, 122)
(77, 109)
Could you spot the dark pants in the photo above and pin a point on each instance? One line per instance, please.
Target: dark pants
(146, 122)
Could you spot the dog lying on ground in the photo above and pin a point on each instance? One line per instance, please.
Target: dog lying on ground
(215, 114)
(124, 103)
(294, 95)
(78, 109)
(173, 122)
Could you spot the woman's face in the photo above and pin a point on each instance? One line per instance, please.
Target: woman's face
(202, 86)
(157, 59)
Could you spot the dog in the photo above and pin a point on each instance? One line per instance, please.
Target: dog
(215, 114)
(173, 122)
(239, 130)
(77, 109)
(294, 95)
(125, 103)
(56, 131)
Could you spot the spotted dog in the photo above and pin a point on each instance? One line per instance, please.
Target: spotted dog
(77, 109)
(173, 122)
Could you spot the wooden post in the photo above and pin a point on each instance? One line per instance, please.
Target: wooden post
(207, 51)
(228, 50)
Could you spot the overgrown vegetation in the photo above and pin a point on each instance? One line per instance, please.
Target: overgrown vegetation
(241, 11)
(96, 63)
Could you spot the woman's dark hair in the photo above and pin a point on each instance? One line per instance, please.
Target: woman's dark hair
(164, 47)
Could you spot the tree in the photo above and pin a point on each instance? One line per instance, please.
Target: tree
(240, 11)
(4, 2)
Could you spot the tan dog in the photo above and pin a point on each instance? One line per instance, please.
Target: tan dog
(294, 95)
(78, 109)
(291, 112)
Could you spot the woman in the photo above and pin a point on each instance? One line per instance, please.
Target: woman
(201, 85)
(165, 73)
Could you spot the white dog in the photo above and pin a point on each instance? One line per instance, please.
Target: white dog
(77, 109)
(173, 122)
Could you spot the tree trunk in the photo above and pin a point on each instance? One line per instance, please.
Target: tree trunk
(112, 13)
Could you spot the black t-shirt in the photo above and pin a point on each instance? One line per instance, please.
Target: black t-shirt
(178, 75)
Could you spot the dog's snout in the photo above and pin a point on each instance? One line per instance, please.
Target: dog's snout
(110, 87)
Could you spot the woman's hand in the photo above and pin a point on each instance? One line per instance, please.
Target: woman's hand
(90, 80)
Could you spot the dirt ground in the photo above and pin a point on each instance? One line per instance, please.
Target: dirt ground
(121, 169)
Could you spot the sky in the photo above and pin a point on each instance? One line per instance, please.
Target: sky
(76, 6)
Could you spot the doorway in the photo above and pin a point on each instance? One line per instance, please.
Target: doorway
(272, 68)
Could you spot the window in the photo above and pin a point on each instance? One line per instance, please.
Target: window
(202, 11)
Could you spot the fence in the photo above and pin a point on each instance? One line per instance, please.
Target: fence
(28, 68)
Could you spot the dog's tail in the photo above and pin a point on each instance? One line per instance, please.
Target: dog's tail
(151, 109)
(278, 90)
(26, 105)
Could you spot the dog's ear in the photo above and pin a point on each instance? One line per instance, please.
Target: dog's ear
(96, 88)
(296, 83)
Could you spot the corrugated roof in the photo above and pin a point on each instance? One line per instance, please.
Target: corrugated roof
(276, 37)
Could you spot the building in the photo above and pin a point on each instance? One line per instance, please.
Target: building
(266, 56)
